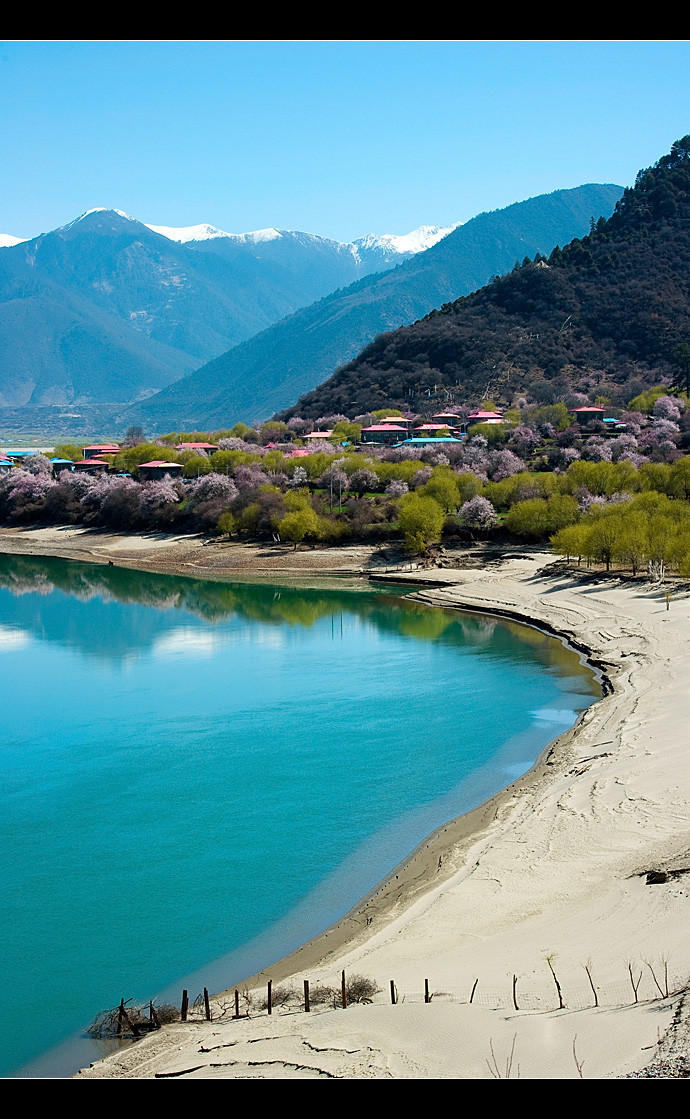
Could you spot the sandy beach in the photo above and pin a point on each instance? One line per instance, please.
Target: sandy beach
(544, 884)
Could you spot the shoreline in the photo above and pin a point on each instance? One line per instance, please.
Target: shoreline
(549, 865)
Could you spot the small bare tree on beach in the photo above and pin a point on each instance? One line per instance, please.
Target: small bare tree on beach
(663, 991)
(549, 960)
(588, 969)
(634, 983)
(507, 1072)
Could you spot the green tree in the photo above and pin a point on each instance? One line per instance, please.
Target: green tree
(274, 431)
(443, 488)
(605, 540)
(296, 526)
(630, 548)
(494, 434)
(555, 414)
(538, 518)
(346, 432)
(227, 524)
(68, 450)
(646, 400)
(680, 478)
(296, 500)
(421, 522)
(197, 465)
(572, 541)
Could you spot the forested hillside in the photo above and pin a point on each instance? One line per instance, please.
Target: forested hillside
(608, 312)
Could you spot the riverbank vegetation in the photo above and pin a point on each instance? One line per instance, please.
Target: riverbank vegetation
(599, 496)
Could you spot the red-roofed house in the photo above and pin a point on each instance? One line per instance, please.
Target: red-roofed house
(91, 466)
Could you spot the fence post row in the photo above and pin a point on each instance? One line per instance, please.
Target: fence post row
(125, 1021)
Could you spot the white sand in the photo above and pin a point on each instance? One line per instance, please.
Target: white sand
(550, 867)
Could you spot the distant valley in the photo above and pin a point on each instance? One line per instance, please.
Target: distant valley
(270, 371)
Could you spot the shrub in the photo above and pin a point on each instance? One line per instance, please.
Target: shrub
(360, 989)
(280, 996)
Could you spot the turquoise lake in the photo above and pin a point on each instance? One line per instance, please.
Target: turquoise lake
(198, 776)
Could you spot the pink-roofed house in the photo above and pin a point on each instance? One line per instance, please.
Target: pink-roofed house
(157, 468)
(482, 416)
(383, 433)
(98, 449)
(209, 447)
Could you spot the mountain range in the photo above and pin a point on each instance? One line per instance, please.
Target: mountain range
(100, 315)
(269, 371)
(106, 309)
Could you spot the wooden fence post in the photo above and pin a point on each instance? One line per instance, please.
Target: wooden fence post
(426, 990)
(185, 1004)
(343, 991)
(207, 1005)
(307, 1007)
(394, 997)
(237, 1003)
(270, 996)
(135, 1029)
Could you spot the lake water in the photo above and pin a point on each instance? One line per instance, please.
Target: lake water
(198, 776)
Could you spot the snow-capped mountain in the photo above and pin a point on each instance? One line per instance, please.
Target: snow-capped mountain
(351, 260)
(186, 233)
(405, 244)
(106, 311)
(105, 308)
(372, 248)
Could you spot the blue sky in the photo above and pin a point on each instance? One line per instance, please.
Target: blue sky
(340, 137)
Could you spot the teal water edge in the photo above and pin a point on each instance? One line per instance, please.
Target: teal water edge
(197, 776)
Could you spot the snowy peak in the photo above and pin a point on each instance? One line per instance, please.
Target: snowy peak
(97, 210)
(204, 232)
(405, 243)
(385, 245)
(258, 236)
(185, 233)
(8, 239)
